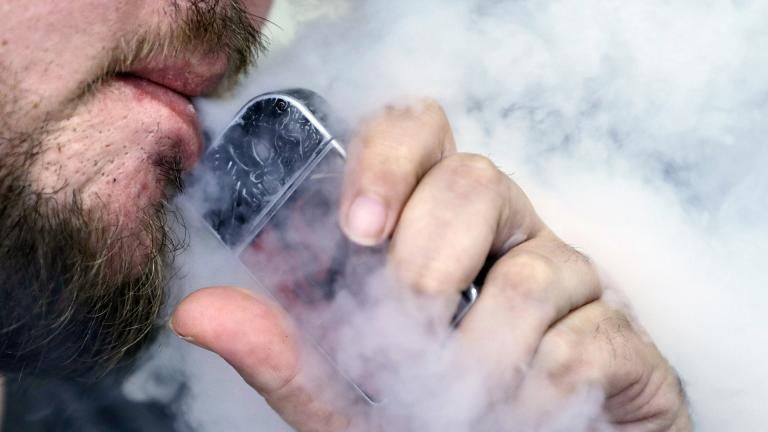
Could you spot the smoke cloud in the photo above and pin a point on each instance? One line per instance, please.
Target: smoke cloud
(637, 129)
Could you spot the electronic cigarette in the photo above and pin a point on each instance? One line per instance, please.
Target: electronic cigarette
(270, 187)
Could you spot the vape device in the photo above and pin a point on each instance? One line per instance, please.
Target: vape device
(270, 189)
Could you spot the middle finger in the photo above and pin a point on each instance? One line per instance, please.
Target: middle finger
(463, 210)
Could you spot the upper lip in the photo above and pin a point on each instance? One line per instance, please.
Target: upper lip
(189, 76)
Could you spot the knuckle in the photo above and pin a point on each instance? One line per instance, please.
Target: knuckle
(469, 174)
(433, 111)
(432, 105)
(430, 279)
(426, 109)
(581, 263)
(562, 356)
(431, 285)
(420, 125)
(616, 331)
(526, 275)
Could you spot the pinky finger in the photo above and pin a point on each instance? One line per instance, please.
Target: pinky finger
(595, 360)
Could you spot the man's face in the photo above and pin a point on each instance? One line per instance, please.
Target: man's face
(96, 127)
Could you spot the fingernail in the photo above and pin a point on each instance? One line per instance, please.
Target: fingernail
(366, 220)
(186, 338)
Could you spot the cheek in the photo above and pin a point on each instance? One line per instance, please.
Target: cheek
(49, 49)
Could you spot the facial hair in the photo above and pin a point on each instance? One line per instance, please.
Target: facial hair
(70, 305)
(73, 302)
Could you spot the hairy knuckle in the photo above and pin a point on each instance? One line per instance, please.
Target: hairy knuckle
(582, 264)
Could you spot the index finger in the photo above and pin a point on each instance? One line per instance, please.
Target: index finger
(389, 156)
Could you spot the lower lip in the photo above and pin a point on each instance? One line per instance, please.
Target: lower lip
(176, 103)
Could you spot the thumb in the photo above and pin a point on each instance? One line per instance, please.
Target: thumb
(258, 339)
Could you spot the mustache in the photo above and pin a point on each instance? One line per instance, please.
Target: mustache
(200, 28)
(216, 26)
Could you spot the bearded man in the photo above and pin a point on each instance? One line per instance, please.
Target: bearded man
(96, 129)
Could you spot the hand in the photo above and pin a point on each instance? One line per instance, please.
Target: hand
(540, 322)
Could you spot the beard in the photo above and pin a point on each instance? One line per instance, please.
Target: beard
(78, 294)
(73, 302)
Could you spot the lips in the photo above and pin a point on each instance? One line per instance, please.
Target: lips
(186, 76)
(171, 83)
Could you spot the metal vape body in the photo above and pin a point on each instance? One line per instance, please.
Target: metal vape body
(270, 187)
(273, 144)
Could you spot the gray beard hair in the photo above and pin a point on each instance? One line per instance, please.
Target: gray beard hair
(72, 303)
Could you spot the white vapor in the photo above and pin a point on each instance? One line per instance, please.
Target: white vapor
(638, 129)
